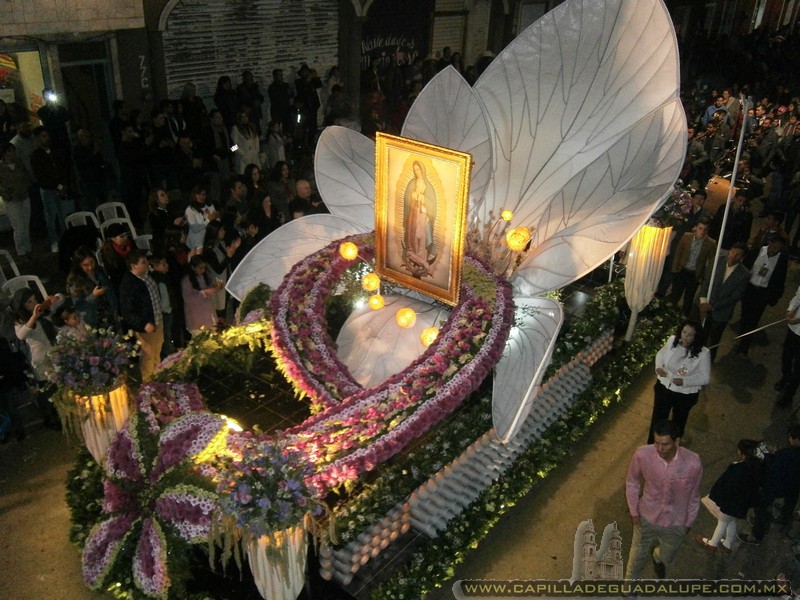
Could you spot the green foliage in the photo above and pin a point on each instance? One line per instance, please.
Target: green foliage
(84, 496)
(256, 299)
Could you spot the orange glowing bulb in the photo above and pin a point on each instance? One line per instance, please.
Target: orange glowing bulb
(371, 282)
(518, 238)
(376, 302)
(405, 318)
(348, 250)
(429, 335)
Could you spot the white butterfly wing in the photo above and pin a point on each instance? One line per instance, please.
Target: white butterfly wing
(558, 99)
(448, 113)
(345, 174)
(525, 358)
(373, 346)
(574, 233)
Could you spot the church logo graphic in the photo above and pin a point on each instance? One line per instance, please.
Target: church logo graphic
(591, 563)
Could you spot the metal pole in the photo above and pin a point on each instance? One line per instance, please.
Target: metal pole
(745, 105)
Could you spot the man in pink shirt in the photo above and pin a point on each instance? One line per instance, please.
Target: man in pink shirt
(663, 493)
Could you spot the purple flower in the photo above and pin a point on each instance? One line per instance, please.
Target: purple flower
(132, 495)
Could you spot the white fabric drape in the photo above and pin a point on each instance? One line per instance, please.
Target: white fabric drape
(643, 269)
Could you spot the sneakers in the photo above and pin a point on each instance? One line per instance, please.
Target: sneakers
(747, 538)
(54, 247)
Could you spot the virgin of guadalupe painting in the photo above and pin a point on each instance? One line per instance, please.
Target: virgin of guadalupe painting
(419, 209)
(421, 198)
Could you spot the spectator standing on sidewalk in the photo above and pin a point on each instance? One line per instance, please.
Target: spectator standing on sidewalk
(736, 490)
(782, 481)
(51, 170)
(15, 185)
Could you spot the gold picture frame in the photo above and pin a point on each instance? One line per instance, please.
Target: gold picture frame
(421, 200)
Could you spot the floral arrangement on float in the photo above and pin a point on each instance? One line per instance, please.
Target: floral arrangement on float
(158, 497)
(266, 509)
(233, 348)
(581, 159)
(90, 373)
(676, 208)
(359, 428)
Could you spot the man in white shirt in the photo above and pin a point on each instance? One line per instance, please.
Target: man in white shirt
(767, 280)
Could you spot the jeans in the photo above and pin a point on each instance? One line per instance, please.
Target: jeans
(666, 540)
(19, 213)
(56, 211)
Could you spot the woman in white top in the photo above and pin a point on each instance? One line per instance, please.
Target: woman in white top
(245, 136)
(683, 367)
(198, 215)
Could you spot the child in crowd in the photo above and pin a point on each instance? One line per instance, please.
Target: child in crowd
(68, 321)
(158, 271)
(198, 289)
(161, 217)
(736, 490)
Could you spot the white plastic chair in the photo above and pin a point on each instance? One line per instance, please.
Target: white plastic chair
(24, 281)
(123, 221)
(111, 210)
(10, 267)
(144, 241)
(83, 217)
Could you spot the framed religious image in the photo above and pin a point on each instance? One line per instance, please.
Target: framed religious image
(421, 198)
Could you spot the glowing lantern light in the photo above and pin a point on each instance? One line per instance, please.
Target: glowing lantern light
(348, 251)
(428, 336)
(371, 282)
(518, 238)
(405, 318)
(376, 302)
(506, 215)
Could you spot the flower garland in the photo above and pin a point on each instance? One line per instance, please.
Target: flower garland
(676, 208)
(301, 345)
(154, 496)
(362, 428)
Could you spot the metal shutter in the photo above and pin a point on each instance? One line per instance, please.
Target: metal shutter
(205, 39)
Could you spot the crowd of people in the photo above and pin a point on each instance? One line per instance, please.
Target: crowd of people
(204, 183)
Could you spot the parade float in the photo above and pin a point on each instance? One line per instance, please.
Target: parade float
(416, 323)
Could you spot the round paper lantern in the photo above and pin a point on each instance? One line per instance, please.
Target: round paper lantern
(428, 335)
(376, 302)
(518, 238)
(405, 318)
(506, 215)
(371, 282)
(348, 251)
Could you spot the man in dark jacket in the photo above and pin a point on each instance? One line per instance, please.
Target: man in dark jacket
(141, 311)
(51, 170)
(730, 282)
